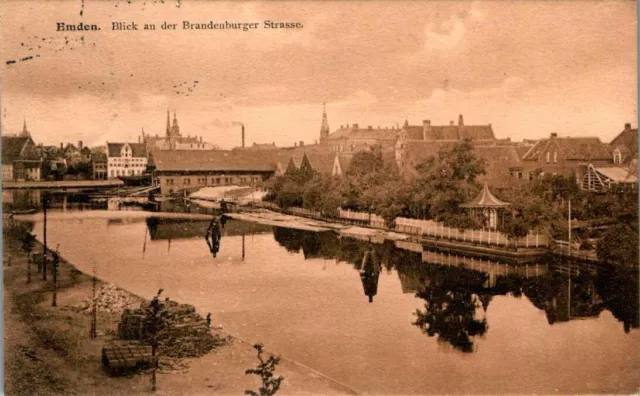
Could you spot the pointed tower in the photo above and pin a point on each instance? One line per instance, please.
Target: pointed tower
(324, 128)
(168, 124)
(25, 132)
(175, 129)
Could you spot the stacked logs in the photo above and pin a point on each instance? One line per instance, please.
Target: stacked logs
(185, 333)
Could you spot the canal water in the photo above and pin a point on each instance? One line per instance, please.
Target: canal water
(383, 321)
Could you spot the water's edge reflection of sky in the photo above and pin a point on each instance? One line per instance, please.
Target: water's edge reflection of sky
(430, 328)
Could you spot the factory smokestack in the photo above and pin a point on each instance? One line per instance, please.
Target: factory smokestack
(242, 135)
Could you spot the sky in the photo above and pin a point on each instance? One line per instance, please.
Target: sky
(529, 68)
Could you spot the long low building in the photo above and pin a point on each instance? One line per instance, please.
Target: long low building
(190, 170)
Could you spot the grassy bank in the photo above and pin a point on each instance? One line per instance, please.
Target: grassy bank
(48, 350)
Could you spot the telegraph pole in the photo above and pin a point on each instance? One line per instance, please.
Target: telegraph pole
(55, 263)
(45, 202)
(569, 245)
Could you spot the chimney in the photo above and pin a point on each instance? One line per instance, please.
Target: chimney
(80, 145)
(242, 135)
(61, 146)
(295, 144)
(370, 127)
(627, 127)
(301, 143)
(460, 120)
(451, 122)
(554, 135)
(426, 123)
(355, 126)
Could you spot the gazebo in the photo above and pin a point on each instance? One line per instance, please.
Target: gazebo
(488, 204)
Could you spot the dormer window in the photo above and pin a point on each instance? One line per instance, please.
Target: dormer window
(617, 156)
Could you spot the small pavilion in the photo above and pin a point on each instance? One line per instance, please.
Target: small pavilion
(488, 205)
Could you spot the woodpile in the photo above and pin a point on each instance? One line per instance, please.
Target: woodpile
(109, 298)
(185, 333)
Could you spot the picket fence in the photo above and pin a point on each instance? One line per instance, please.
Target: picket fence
(439, 230)
(428, 228)
(373, 220)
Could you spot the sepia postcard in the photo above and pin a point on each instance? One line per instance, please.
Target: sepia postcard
(319, 197)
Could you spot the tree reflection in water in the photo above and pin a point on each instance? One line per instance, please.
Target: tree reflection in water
(455, 296)
(450, 307)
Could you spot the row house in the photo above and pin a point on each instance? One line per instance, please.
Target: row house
(565, 156)
(21, 160)
(126, 159)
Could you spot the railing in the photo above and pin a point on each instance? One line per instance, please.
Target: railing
(371, 219)
(428, 228)
(439, 230)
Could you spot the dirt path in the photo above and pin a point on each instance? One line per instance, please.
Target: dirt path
(48, 350)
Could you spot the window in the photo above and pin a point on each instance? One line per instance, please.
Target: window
(548, 157)
(617, 156)
(169, 182)
(555, 157)
(217, 180)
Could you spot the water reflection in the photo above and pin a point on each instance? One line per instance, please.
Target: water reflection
(370, 273)
(457, 290)
(213, 237)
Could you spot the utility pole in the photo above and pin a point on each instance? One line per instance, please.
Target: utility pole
(569, 245)
(54, 263)
(45, 202)
(93, 332)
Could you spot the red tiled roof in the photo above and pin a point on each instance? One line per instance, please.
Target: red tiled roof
(137, 149)
(364, 134)
(572, 148)
(214, 160)
(14, 148)
(459, 132)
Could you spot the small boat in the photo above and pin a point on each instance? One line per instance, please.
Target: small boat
(23, 212)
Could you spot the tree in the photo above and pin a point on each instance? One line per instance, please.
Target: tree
(265, 370)
(448, 180)
(619, 245)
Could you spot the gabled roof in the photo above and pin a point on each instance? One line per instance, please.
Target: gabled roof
(13, 148)
(485, 199)
(572, 148)
(413, 132)
(364, 134)
(99, 157)
(137, 149)
(459, 132)
(627, 138)
(617, 174)
(213, 160)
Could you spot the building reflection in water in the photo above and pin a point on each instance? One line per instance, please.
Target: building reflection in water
(213, 237)
(458, 290)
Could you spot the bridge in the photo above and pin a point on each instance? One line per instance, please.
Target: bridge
(61, 185)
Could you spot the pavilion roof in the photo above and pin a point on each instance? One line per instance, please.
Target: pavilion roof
(485, 200)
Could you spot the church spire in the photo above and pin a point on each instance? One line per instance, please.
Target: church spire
(25, 132)
(324, 128)
(168, 124)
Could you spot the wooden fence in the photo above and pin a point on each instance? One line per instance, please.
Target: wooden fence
(428, 228)
(371, 219)
(439, 230)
